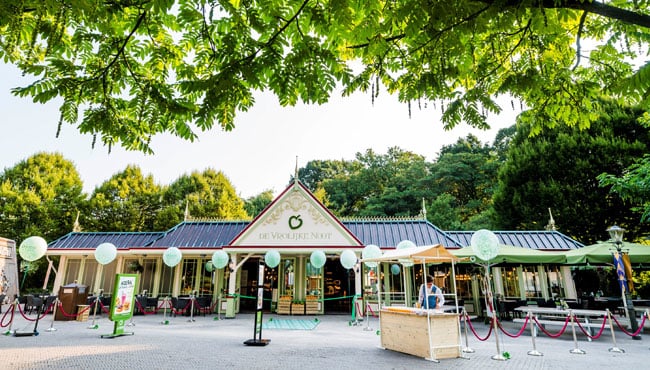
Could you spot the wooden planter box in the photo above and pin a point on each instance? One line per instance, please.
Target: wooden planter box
(284, 306)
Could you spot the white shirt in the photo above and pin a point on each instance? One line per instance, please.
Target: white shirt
(434, 291)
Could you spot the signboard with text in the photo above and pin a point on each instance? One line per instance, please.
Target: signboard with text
(123, 302)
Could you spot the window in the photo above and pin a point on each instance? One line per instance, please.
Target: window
(72, 272)
(510, 280)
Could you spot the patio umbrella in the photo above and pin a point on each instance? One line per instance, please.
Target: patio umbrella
(601, 253)
(512, 254)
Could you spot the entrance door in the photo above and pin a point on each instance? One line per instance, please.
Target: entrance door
(248, 285)
(339, 287)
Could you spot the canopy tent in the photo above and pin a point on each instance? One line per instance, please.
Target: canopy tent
(512, 254)
(601, 253)
(424, 254)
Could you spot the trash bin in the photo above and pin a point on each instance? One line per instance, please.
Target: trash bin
(71, 296)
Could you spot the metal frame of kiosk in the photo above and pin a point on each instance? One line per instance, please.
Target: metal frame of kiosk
(429, 333)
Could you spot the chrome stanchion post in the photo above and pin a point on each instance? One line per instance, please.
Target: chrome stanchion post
(368, 328)
(534, 351)
(575, 349)
(165, 321)
(218, 308)
(192, 298)
(95, 304)
(611, 328)
(56, 304)
(467, 348)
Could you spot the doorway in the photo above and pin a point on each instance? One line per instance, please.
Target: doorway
(339, 288)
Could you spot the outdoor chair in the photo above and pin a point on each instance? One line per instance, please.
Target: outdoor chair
(32, 303)
(2, 301)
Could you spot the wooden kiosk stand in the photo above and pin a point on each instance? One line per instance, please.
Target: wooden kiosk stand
(428, 333)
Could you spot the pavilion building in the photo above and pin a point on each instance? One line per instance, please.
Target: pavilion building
(296, 225)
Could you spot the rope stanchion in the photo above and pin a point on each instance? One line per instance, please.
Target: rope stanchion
(56, 304)
(615, 348)
(624, 330)
(595, 336)
(192, 299)
(368, 310)
(575, 350)
(557, 335)
(164, 305)
(476, 334)
(521, 331)
(11, 319)
(95, 304)
(467, 348)
(533, 334)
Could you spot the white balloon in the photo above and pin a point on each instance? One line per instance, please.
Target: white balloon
(371, 251)
(105, 253)
(348, 259)
(172, 256)
(403, 245)
(32, 248)
(485, 244)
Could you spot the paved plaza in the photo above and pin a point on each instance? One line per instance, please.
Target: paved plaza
(207, 343)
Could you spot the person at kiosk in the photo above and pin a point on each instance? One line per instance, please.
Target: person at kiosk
(430, 295)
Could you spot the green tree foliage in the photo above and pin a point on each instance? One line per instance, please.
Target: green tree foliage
(466, 171)
(128, 201)
(558, 169)
(127, 70)
(256, 204)
(207, 194)
(39, 196)
(633, 185)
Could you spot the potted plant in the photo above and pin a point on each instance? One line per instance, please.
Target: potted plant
(135, 266)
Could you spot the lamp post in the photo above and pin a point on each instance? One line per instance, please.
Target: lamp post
(616, 234)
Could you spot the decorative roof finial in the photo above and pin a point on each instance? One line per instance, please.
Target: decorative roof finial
(551, 222)
(295, 174)
(76, 227)
(423, 212)
(187, 210)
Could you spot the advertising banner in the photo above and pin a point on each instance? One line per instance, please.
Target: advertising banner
(123, 302)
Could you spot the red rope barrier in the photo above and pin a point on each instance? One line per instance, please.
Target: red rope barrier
(12, 310)
(638, 330)
(586, 332)
(37, 318)
(566, 322)
(474, 331)
(521, 331)
(104, 309)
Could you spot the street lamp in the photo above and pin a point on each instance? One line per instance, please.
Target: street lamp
(616, 234)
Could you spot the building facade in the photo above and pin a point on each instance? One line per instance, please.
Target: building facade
(298, 226)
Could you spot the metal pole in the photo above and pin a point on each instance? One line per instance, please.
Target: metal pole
(575, 349)
(93, 326)
(467, 348)
(56, 304)
(534, 351)
(611, 328)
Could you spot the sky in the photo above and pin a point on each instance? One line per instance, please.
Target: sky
(259, 154)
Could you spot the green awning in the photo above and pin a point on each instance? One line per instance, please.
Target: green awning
(601, 253)
(517, 255)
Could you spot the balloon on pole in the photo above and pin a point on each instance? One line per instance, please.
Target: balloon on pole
(395, 269)
(105, 253)
(404, 244)
(371, 251)
(317, 259)
(209, 267)
(272, 258)
(172, 256)
(348, 259)
(220, 259)
(32, 248)
(485, 244)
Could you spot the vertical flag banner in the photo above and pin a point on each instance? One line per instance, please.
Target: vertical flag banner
(628, 271)
(620, 271)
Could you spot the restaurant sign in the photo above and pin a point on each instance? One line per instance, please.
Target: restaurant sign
(122, 303)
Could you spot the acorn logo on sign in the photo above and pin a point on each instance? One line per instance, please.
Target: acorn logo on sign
(295, 222)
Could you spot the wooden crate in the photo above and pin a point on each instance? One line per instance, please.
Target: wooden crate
(407, 332)
(297, 308)
(312, 306)
(81, 314)
(284, 305)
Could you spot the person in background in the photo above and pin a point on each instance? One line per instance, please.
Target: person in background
(431, 297)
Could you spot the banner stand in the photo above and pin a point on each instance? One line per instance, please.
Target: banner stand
(257, 326)
(122, 304)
